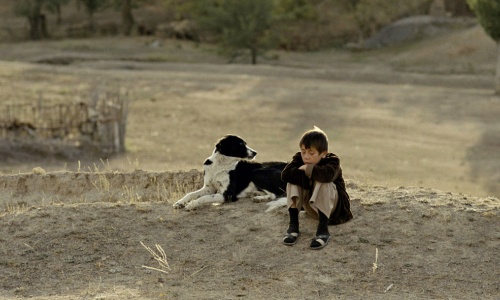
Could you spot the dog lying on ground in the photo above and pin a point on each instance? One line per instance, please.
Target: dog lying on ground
(230, 174)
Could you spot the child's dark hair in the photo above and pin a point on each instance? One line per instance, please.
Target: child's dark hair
(314, 138)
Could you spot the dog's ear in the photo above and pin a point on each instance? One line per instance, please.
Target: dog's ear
(218, 146)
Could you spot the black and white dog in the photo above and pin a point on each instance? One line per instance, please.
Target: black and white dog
(230, 174)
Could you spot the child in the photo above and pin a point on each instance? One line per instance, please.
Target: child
(315, 184)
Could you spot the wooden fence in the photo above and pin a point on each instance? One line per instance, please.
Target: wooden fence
(100, 122)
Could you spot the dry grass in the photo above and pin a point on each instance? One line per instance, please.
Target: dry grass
(159, 256)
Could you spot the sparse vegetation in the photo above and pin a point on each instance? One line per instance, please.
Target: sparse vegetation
(159, 256)
(239, 25)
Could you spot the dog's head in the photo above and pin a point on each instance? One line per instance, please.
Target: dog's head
(233, 145)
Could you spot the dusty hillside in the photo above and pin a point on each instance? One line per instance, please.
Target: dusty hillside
(401, 118)
(430, 244)
(393, 115)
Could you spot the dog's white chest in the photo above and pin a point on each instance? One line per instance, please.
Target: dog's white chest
(217, 172)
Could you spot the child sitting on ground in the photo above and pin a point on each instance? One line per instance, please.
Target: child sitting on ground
(315, 184)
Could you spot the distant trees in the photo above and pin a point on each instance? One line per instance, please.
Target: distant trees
(32, 10)
(246, 24)
(488, 14)
(296, 24)
(54, 6)
(126, 7)
(93, 6)
(242, 24)
(128, 21)
(295, 10)
(255, 26)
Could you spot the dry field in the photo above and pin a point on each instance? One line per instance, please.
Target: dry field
(416, 127)
(390, 122)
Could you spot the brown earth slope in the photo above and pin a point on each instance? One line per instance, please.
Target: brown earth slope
(404, 243)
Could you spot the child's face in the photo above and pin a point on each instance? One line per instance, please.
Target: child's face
(311, 155)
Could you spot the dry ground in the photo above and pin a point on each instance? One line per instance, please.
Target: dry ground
(78, 235)
(416, 128)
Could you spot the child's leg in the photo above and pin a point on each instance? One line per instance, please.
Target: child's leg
(293, 226)
(322, 234)
(292, 233)
(323, 200)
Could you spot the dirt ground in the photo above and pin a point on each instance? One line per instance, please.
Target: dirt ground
(416, 130)
(404, 243)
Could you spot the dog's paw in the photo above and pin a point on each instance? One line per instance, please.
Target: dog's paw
(273, 205)
(191, 206)
(253, 194)
(264, 198)
(178, 205)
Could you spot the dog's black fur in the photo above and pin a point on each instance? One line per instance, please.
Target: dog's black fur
(266, 177)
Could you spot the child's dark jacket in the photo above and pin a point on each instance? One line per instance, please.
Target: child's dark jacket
(326, 170)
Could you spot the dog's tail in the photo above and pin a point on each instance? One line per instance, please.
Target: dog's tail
(275, 204)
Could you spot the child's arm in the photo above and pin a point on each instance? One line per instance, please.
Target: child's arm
(293, 175)
(328, 170)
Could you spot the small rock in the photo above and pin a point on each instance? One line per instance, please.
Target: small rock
(39, 171)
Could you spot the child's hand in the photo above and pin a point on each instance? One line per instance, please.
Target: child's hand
(303, 167)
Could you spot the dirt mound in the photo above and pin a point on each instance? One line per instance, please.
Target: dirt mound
(39, 188)
(84, 242)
